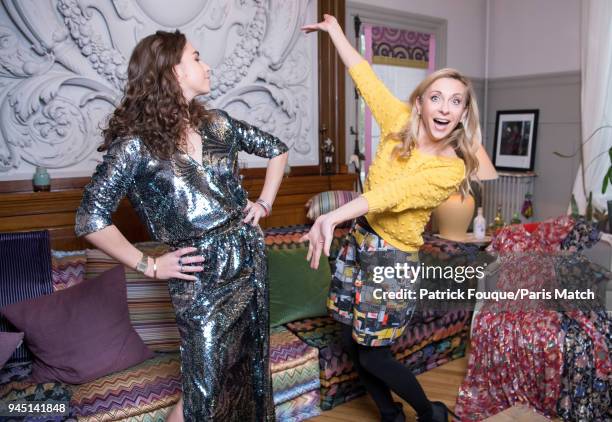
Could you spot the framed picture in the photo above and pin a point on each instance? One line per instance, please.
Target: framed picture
(515, 140)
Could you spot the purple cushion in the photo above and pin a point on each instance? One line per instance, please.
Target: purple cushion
(8, 343)
(80, 333)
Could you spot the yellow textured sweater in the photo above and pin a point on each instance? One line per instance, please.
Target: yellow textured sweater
(401, 194)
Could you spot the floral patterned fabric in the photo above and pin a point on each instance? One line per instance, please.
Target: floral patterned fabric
(536, 237)
(586, 383)
(524, 352)
(583, 235)
(584, 395)
(516, 348)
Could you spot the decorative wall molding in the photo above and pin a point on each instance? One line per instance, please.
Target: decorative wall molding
(63, 65)
(536, 80)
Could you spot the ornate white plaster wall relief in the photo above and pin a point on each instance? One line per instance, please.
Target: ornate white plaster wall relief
(63, 66)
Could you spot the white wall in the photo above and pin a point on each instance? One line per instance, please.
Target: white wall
(533, 36)
(466, 28)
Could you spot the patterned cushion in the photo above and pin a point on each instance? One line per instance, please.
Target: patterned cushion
(67, 268)
(149, 304)
(324, 202)
(52, 391)
(288, 237)
(146, 391)
(157, 415)
(294, 365)
(153, 385)
(338, 379)
(438, 352)
(422, 347)
(420, 335)
(300, 408)
(16, 372)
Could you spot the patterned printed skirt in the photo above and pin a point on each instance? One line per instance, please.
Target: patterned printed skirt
(378, 305)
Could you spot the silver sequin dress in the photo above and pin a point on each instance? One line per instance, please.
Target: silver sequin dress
(223, 316)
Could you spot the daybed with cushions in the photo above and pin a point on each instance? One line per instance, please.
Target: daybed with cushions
(310, 370)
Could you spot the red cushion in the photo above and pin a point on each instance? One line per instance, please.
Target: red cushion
(80, 333)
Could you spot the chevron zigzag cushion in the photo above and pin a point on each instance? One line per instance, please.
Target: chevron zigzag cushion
(418, 336)
(300, 408)
(288, 237)
(149, 303)
(146, 391)
(67, 268)
(421, 347)
(295, 376)
(153, 385)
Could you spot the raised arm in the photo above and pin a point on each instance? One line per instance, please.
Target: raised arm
(386, 108)
(350, 57)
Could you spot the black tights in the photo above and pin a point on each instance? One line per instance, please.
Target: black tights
(380, 373)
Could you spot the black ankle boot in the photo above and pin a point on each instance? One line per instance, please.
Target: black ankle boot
(398, 416)
(441, 412)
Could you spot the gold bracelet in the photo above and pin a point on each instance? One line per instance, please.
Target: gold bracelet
(154, 267)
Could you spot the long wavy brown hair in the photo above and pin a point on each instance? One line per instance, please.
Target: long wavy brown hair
(153, 106)
(465, 137)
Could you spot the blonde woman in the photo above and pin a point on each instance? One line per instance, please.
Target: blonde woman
(427, 152)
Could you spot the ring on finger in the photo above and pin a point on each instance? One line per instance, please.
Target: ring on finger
(181, 269)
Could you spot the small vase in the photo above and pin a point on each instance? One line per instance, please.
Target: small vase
(41, 180)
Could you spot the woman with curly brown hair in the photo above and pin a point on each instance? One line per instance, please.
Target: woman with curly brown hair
(177, 163)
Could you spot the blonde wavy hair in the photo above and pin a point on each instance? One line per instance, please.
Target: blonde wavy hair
(465, 137)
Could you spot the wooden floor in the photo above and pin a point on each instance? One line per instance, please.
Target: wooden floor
(440, 384)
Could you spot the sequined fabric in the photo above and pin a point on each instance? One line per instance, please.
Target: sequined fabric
(223, 316)
(223, 319)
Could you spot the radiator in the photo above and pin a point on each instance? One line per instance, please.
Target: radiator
(508, 192)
